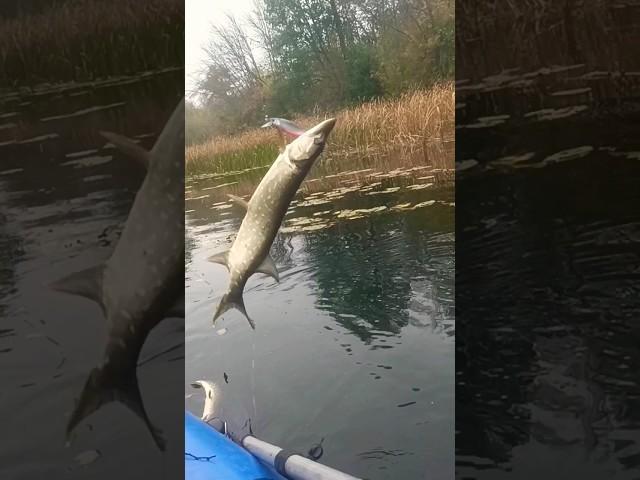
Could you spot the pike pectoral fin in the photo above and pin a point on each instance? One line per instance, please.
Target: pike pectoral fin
(239, 201)
(268, 266)
(129, 147)
(104, 386)
(86, 283)
(232, 300)
(221, 258)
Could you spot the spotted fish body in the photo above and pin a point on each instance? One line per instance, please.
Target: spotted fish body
(264, 214)
(143, 280)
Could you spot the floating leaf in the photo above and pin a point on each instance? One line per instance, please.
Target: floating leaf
(87, 457)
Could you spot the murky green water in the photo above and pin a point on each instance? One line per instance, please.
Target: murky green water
(547, 275)
(356, 343)
(64, 195)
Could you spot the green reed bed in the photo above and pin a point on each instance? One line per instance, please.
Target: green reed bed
(407, 129)
(232, 161)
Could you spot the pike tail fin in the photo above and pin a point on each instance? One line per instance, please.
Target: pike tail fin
(233, 300)
(105, 385)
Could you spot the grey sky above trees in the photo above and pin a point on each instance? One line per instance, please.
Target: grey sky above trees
(291, 57)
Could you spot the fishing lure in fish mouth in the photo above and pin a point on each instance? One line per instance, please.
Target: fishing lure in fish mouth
(287, 130)
(249, 252)
(285, 126)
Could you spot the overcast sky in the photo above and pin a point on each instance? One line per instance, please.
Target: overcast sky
(199, 16)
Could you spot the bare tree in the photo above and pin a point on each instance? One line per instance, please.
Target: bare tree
(263, 33)
(230, 50)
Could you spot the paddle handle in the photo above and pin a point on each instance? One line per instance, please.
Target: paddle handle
(293, 467)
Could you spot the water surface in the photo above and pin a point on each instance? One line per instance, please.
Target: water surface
(547, 275)
(64, 196)
(356, 343)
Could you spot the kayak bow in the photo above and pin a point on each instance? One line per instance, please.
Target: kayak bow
(211, 454)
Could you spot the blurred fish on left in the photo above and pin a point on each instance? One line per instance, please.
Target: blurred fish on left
(143, 280)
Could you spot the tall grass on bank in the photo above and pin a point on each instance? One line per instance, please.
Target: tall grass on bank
(530, 34)
(409, 123)
(88, 39)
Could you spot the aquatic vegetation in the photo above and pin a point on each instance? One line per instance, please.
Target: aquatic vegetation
(205, 176)
(380, 135)
(513, 159)
(319, 191)
(328, 218)
(569, 154)
(629, 155)
(419, 186)
(466, 164)
(220, 186)
(360, 212)
(502, 25)
(91, 39)
(402, 206)
(386, 190)
(487, 122)
(90, 161)
(323, 203)
(556, 113)
(311, 202)
(423, 204)
(232, 154)
(305, 224)
(322, 212)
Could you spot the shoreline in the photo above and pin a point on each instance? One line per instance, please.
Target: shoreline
(417, 125)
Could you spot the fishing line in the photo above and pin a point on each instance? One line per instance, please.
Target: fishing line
(224, 369)
(253, 373)
(163, 458)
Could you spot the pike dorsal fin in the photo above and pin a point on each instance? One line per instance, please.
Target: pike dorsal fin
(129, 147)
(268, 267)
(85, 283)
(239, 201)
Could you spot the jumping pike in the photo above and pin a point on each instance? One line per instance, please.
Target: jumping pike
(264, 213)
(143, 280)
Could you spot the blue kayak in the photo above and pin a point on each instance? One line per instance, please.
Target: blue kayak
(210, 455)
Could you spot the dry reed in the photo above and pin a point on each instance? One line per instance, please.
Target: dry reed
(529, 34)
(88, 39)
(410, 122)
